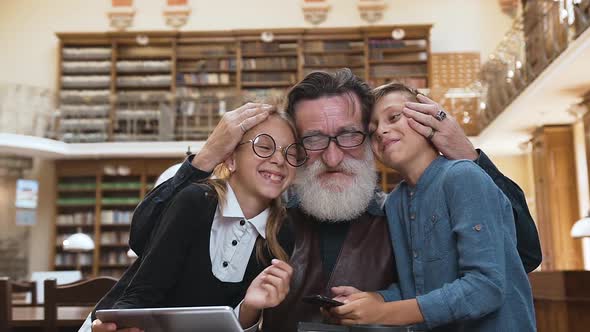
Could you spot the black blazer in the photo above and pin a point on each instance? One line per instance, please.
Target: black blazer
(175, 268)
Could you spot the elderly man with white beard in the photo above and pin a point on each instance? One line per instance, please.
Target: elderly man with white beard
(341, 235)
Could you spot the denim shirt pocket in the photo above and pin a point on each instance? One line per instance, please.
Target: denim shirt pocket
(437, 236)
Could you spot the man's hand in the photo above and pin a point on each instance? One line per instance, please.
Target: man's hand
(267, 290)
(360, 308)
(98, 326)
(449, 138)
(228, 133)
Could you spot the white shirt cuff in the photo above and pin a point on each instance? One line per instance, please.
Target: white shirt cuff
(87, 326)
(252, 328)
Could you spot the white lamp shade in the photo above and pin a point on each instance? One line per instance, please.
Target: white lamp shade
(167, 174)
(581, 228)
(78, 242)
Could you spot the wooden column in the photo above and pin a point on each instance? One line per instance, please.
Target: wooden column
(586, 120)
(556, 197)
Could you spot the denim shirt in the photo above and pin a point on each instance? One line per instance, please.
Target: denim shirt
(454, 240)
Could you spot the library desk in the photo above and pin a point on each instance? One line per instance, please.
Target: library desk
(562, 300)
(34, 316)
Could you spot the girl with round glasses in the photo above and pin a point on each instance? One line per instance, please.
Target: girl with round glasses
(221, 242)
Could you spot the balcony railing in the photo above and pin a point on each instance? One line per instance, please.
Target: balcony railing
(539, 35)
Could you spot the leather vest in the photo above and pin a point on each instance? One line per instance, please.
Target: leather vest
(365, 261)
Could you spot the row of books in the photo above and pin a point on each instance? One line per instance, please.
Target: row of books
(86, 53)
(144, 66)
(381, 71)
(391, 43)
(78, 218)
(115, 217)
(404, 57)
(111, 237)
(120, 200)
(139, 114)
(90, 185)
(343, 60)
(135, 137)
(84, 96)
(191, 51)
(269, 77)
(144, 81)
(93, 81)
(71, 137)
(207, 65)
(75, 201)
(333, 45)
(121, 185)
(95, 124)
(115, 257)
(261, 47)
(81, 67)
(83, 259)
(286, 63)
(85, 111)
(205, 78)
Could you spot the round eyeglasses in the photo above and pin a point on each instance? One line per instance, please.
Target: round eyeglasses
(264, 146)
(320, 142)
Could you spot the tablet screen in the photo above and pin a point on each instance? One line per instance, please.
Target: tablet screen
(197, 319)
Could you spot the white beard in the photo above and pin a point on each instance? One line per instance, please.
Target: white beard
(336, 201)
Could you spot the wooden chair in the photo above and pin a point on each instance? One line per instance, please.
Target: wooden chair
(5, 304)
(24, 287)
(85, 293)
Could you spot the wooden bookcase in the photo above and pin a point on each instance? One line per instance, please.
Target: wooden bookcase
(97, 197)
(149, 86)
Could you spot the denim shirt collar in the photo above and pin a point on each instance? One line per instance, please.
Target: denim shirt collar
(429, 175)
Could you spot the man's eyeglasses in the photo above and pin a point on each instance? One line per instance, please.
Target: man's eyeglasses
(264, 146)
(320, 142)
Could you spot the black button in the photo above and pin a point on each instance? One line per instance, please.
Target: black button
(225, 264)
(242, 222)
(234, 243)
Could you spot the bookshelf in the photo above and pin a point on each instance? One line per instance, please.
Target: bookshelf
(97, 197)
(149, 86)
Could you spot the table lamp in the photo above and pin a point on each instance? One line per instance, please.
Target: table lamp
(581, 228)
(78, 243)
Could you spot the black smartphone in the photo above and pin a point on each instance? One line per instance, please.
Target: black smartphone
(322, 301)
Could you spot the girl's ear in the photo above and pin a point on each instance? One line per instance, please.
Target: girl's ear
(230, 163)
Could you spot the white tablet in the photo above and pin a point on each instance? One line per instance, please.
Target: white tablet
(197, 319)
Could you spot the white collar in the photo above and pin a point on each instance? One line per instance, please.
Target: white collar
(232, 209)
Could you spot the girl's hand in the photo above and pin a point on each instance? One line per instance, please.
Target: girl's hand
(267, 290)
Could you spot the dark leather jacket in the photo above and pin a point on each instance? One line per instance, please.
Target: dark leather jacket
(365, 262)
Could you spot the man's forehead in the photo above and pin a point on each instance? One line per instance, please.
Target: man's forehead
(334, 111)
